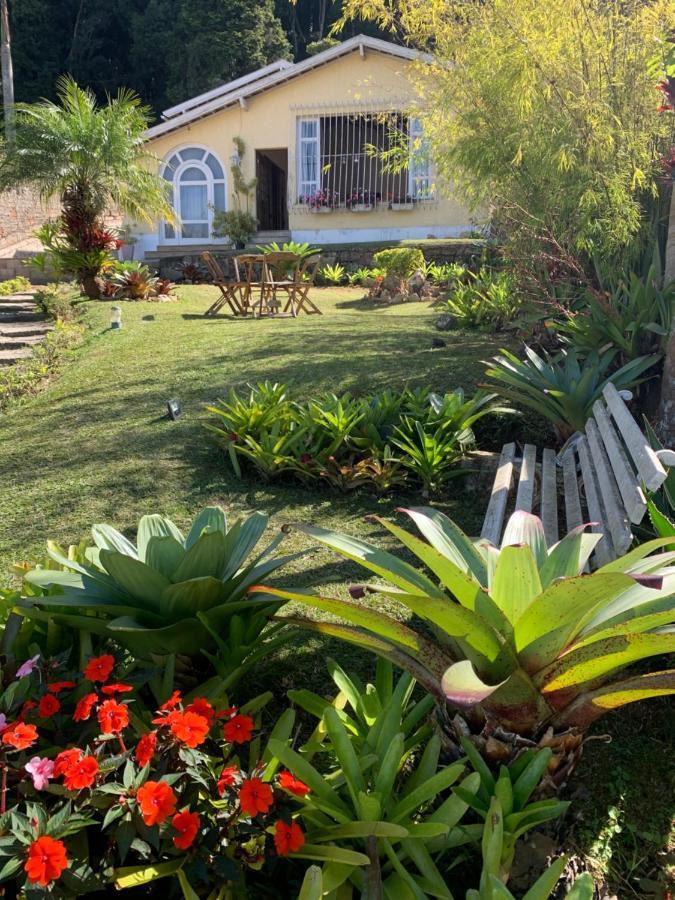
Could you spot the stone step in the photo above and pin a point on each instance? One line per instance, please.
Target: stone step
(21, 317)
(24, 329)
(9, 357)
(7, 343)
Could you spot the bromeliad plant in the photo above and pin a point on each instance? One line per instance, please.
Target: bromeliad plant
(519, 647)
(562, 388)
(168, 593)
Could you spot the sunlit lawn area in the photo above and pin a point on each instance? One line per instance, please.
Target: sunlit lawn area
(96, 446)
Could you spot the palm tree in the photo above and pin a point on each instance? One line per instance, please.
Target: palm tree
(93, 158)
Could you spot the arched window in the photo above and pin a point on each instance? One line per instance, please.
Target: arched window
(197, 187)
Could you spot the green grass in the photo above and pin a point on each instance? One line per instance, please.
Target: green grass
(94, 446)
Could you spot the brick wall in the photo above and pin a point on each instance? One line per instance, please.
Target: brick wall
(21, 212)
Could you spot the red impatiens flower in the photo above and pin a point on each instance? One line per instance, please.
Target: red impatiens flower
(48, 706)
(172, 702)
(112, 716)
(189, 728)
(145, 749)
(239, 729)
(157, 802)
(227, 713)
(80, 774)
(288, 838)
(57, 686)
(289, 782)
(227, 779)
(202, 707)
(186, 824)
(84, 707)
(255, 797)
(46, 860)
(20, 736)
(65, 759)
(26, 708)
(117, 688)
(99, 667)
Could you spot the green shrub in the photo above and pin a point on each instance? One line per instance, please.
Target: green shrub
(236, 224)
(169, 593)
(14, 286)
(484, 300)
(400, 262)
(56, 302)
(350, 441)
(333, 274)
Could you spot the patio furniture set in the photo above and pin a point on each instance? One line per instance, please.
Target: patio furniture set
(264, 284)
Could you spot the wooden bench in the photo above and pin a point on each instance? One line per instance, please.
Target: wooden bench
(603, 472)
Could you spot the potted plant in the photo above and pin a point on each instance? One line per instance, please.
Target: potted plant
(128, 241)
(321, 202)
(400, 202)
(236, 224)
(361, 201)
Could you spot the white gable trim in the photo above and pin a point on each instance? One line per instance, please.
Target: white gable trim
(239, 95)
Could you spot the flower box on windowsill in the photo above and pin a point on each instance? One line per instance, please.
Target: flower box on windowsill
(398, 207)
(361, 207)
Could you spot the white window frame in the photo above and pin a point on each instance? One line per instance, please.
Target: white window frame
(420, 178)
(308, 187)
(210, 183)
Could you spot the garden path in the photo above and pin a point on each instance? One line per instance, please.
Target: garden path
(22, 325)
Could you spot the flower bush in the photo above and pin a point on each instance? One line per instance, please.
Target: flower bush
(89, 797)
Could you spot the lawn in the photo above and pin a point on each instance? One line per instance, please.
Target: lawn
(95, 446)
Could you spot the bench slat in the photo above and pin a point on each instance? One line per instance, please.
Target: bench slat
(525, 495)
(494, 516)
(549, 496)
(631, 492)
(571, 485)
(646, 461)
(615, 515)
(604, 552)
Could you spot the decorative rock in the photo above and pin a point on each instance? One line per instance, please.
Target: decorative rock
(446, 322)
(437, 343)
(417, 282)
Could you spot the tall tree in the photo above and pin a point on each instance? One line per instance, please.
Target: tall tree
(7, 73)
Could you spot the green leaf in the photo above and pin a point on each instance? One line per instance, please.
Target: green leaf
(346, 755)
(188, 892)
(135, 577)
(108, 538)
(312, 885)
(516, 581)
(157, 527)
(590, 705)
(524, 528)
(331, 854)
(164, 554)
(306, 772)
(206, 557)
(187, 598)
(462, 686)
(210, 519)
(528, 781)
(425, 792)
(544, 885)
(449, 540)
(582, 889)
(360, 829)
(135, 876)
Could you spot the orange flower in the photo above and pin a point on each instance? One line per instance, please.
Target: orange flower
(145, 749)
(239, 729)
(84, 707)
(99, 667)
(186, 824)
(227, 778)
(255, 796)
(65, 759)
(117, 688)
(20, 736)
(202, 707)
(48, 706)
(57, 686)
(157, 802)
(112, 716)
(289, 782)
(172, 702)
(288, 838)
(189, 728)
(80, 773)
(46, 860)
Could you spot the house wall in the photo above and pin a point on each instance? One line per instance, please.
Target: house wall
(269, 121)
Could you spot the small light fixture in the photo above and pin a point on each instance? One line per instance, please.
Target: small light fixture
(235, 160)
(173, 409)
(115, 317)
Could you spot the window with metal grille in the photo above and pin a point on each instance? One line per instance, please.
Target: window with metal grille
(358, 160)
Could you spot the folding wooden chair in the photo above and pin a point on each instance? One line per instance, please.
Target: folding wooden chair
(281, 270)
(231, 292)
(298, 289)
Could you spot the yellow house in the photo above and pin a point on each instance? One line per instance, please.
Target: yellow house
(313, 133)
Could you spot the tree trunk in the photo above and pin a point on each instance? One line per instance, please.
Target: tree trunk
(7, 72)
(666, 421)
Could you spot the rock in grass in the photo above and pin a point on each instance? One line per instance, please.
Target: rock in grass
(446, 322)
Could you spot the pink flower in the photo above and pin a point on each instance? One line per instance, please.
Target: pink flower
(41, 770)
(3, 722)
(27, 667)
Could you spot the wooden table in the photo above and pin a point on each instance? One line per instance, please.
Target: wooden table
(259, 272)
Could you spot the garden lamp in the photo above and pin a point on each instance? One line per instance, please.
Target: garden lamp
(115, 317)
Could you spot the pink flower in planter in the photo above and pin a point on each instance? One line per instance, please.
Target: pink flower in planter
(27, 667)
(41, 770)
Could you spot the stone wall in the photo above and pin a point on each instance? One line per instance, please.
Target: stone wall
(21, 212)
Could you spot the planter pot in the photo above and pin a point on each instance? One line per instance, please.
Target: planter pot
(361, 207)
(126, 252)
(398, 207)
(321, 209)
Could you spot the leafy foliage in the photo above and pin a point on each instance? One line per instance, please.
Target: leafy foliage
(400, 262)
(483, 300)
(14, 285)
(518, 635)
(335, 274)
(168, 594)
(350, 441)
(238, 225)
(562, 388)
